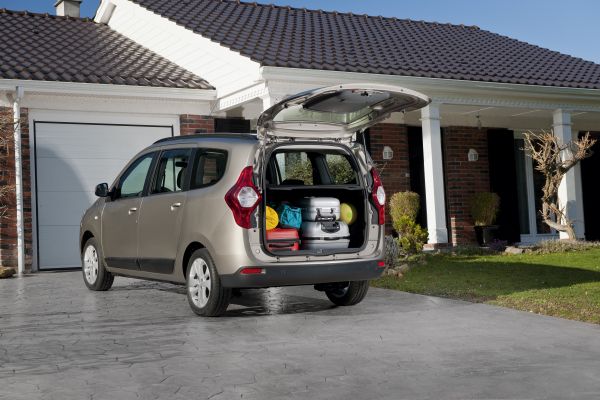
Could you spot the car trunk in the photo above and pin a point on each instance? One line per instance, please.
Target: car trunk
(293, 175)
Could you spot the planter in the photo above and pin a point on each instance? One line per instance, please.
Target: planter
(486, 234)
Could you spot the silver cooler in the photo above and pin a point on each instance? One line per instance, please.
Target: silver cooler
(324, 235)
(319, 208)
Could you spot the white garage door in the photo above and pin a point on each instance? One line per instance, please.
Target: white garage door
(71, 159)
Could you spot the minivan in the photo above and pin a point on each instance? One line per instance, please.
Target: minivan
(192, 209)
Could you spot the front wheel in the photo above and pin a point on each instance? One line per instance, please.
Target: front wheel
(95, 275)
(350, 295)
(206, 295)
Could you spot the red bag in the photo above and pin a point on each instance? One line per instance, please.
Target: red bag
(283, 239)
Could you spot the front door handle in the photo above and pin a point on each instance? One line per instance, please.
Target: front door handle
(132, 210)
(175, 205)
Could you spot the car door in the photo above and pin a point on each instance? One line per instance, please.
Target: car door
(162, 211)
(121, 213)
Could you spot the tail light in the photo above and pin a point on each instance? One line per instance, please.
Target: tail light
(243, 198)
(378, 195)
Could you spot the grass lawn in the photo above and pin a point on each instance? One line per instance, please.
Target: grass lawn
(565, 285)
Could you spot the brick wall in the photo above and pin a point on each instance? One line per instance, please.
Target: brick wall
(464, 178)
(191, 124)
(394, 173)
(8, 223)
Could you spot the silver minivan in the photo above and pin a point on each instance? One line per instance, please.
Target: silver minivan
(192, 209)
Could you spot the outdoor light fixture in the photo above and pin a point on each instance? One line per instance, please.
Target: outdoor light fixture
(479, 126)
(388, 153)
(473, 155)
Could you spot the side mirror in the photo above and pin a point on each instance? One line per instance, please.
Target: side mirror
(102, 190)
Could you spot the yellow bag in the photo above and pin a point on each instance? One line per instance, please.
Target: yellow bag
(272, 218)
(348, 213)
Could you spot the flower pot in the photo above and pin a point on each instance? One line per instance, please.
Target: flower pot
(486, 234)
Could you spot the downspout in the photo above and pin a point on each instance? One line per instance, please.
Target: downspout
(19, 181)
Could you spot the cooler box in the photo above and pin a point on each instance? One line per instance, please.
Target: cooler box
(320, 208)
(282, 239)
(325, 235)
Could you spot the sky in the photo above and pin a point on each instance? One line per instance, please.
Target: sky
(569, 27)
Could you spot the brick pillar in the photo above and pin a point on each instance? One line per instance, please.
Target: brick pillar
(394, 172)
(8, 223)
(190, 124)
(464, 178)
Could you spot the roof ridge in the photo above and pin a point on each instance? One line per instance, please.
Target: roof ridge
(348, 13)
(44, 15)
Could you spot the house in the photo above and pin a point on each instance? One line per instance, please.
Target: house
(95, 92)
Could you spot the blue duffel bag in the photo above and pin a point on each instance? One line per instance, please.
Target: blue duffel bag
(289, 217)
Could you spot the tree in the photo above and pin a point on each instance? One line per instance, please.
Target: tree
(554, 159)
(7, 126)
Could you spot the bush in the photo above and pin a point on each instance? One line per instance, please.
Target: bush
(411, 237)
(484, 208)
(562, 246)
(404, 204)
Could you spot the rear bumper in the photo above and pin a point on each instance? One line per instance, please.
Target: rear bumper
(304, 274)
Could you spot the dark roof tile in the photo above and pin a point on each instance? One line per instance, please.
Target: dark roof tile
(50, 48)
(299, 38)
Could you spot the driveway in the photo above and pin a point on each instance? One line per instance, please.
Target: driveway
(141, 341)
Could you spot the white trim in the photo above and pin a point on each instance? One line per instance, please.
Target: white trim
(242, 96)
(108, 90)
(450, 91)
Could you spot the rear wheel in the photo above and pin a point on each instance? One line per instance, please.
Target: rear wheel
(206, 295)
(353, 293)
(95, 275)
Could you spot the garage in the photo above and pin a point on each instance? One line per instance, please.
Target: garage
(70, 159)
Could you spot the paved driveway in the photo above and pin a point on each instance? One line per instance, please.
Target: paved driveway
(140, 340)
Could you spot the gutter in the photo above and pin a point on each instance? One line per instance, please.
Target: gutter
(19, 180)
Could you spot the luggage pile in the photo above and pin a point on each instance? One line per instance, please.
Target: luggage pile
(314, 223)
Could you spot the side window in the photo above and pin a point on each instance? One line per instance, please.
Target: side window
(340, 169)
(295, 168)
(132, 181)
(209, 168)
(170, 171)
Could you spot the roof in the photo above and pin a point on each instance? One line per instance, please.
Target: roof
(50, 48)
(314, 39)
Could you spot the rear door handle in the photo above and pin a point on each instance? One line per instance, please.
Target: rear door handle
(132, 210)
(175, 205)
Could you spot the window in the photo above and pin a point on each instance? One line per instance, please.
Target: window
(132, 181)
(170, 172)
(209, 168)
(313, 168)
(340, 169)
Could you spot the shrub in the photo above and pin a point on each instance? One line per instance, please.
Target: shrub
(484, 208)
(392, 252)
(411, 237)
(404, 204)
(562, 246)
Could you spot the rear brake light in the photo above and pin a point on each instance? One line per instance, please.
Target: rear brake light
(378, 195)
(252, 271)
(243, 198)
(381, 264)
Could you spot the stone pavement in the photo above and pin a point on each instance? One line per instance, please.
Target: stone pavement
(141, 341)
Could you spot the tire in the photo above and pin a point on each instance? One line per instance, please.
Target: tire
(351, 295)
(206, 299)
(95, 275)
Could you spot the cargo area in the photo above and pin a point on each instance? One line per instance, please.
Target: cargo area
(318, 201)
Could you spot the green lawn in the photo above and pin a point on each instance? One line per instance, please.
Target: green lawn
(565, 285)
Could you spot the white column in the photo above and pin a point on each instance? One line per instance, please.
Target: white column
(569, 192)
(434, 174)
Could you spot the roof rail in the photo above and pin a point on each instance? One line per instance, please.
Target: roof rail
(247, 136)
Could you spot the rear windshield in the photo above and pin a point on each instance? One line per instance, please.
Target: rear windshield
(308, 168)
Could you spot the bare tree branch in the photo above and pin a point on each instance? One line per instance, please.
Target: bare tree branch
(554, 159)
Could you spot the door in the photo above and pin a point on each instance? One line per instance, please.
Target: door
(591, 192)
(503, 182)
(121, 213)
(70, 159)
(336, 112)
(162, 211)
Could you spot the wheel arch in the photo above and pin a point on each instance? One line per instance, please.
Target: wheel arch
(87, 235)
(187, 254)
